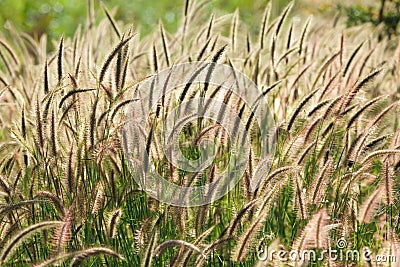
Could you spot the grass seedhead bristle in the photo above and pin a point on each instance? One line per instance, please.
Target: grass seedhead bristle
(111, 56)
(60, 60)
(110, 18)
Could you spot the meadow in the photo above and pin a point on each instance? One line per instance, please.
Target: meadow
(67, 192)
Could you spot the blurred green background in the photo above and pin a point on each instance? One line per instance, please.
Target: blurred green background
(58, 17)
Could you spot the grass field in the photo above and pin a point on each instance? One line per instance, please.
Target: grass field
(67, 193)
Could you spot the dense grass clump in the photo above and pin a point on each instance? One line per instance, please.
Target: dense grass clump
(66, 193)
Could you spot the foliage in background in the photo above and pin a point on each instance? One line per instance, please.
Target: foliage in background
(385, 12)
(57, 17)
